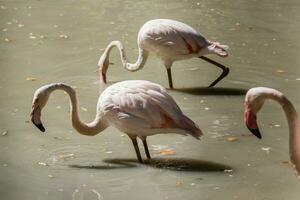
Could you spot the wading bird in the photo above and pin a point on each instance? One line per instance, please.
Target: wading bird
(137, 108)
(170, 40)
(254, 101)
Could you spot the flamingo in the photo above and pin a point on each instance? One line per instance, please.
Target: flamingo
(138, 108)
(170, 40)
(254, 101)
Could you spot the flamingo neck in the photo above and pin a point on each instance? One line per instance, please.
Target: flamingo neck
(104, 59)
(90, 129)
(294, 130)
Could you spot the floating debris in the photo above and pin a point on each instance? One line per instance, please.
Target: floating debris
(31, 79)
(32, 37)
(232, 139)
(206, 108)
(4, 133)
(2, 7)
(63, 36)
(192, 184)
(266, 149)
(280, 71)
(166, 152)
(58, 107)
(43, 164)
(66, 156)
(84, 109)
(21, 25)
(108, 152)
(5, 29)
(51, 176)
(5, 165)
(274, 125)
(179, 183)
(228, 170)
(297, 79)
(7, 40)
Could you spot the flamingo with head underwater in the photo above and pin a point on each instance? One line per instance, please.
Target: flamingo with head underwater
(137, 108)
(254, 101)
(170, 40)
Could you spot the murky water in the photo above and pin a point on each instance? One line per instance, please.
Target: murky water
(61, 41)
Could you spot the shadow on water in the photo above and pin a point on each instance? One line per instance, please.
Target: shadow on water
(176, 164)
(211, 91)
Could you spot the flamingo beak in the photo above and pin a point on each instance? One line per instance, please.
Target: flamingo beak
(251, 123)
(36, 117)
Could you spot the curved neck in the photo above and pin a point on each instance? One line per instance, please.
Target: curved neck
(104, 59)
(90, 129)
(294, 129)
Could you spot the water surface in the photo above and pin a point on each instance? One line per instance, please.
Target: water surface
(60, 41)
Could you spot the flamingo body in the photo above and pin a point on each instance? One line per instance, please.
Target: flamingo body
(137, 108)
(170, 40)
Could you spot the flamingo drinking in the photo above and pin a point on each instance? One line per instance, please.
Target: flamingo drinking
(137, 108)
(170, 40)
(254, 101)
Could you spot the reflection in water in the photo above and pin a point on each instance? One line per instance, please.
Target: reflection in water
(212, 91)
(177, 164)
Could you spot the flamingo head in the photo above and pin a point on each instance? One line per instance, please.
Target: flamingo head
(40, 99)
(253, 104)
(102, 65)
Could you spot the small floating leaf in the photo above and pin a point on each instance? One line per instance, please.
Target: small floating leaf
(179, 183)
(31, 79)
(232, 139)
(50, 176)
(83, 108)
(167, 152)
(42, 164)
(4, 133)
(280, 71)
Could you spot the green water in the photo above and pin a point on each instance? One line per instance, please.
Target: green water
(61, 41)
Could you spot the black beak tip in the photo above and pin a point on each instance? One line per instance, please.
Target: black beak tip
(256, 132)
(39, 126)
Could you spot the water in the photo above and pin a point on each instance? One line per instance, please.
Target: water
(61, 42)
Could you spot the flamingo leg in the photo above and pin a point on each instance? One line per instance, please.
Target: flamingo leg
(170, 78)
(146, 148)
(137, 151)
(224, 68)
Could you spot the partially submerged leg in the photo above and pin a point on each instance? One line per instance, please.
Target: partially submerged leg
(170, 78)
(168, 65)
(146, 148)
(136, 147)
(224, 68)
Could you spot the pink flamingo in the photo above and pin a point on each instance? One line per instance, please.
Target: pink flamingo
(254, 101)
(170, 40)
(137, 108)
